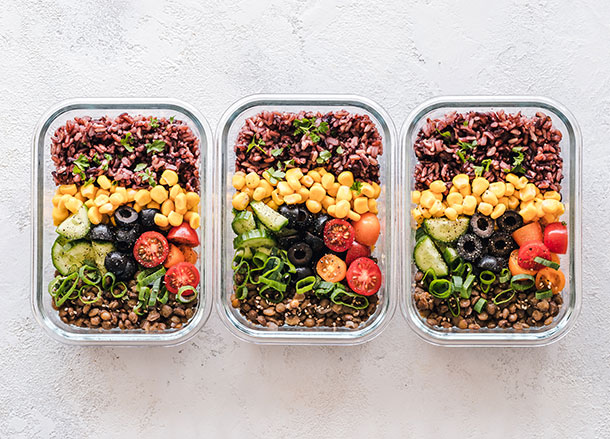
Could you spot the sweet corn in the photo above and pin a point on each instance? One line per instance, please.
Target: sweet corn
(454, 198)
(539, 210)
(153, 205)
(498, 188)
(503, 200)
(55, 199)
(259, 193)
(106, 208)
(271, 180)
(333, 189)
(174, 218)
(294, 173)
(415, 197)
(59, 214)
(510, 190)
(529, 213)
(438, 196)
(73, 204)
(117, 199)
(437, 207)
(94, 215)
(131, 194)
(180, 204)
(327, 202)
(317, 192)
(103, 182)
(69, 189)
(521, 183)
(307, 181)
(167, 207)
(461, 181)
(451, 213)
(142, 197)
(88, 190)
(272, 205)
(137, 207)
(485, 208)
(100, 200)
(489, 197)
(161, 220)
(346, 178)
(293, 199)
(194, 221)
(470, 205)
(252, 180)
(332, 210)
(417, 215)
(373, 206)
(321, 170)
(361, 205)
(80, 197)
(159, 194)
(315, 175)
(427, 199)
(113, 187)
(294, 183)
(327, 180)
(284, 188)
(552, 195)
(89, 203)
(277, 198)
(191, 200)
(528, 193)
(438, 186)
(174, 191)
(376, 190)
(367, 190)
(313, 206)
(498, 211)
(513, 202)
(344, 193)
(240, 200)
(549, 218)
(169, 177)
(426, 213)
(304, 193)
(479, 185)
(465, 191)
(550, 205)
(248, 191)
(342, 209)
(453, 189)
(353, 216)
(458, 208)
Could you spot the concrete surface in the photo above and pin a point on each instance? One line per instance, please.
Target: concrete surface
(212, 53)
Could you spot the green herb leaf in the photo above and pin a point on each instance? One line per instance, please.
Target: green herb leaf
(171, 119)
(140, 167)
(484, 166)
(518, 160)
(147, 176)
(339, 150)
(277, 175)
(465, 123)
(127, 140)
(445, 134)
(80, 166)
(323, 157)
(357, 186)
(276, 151)
(91, 180)
(308, 127)
(108, 158)
(154, 123)
(289, 163)
(155, 146)
(256, 143)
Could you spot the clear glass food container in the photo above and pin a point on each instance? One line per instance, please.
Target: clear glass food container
(571, 147)
(386, 247)
(44, 234)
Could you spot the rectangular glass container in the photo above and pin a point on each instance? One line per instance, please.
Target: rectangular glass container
(571, 148)
(386, 248)
(43, 230)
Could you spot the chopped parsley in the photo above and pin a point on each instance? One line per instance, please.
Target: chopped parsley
(465, 148)
(323, 157)
(518, 160)
(275, 175)
(465, 123)
(140, 167)
(288, 163)
(276, 151)
(154, 122)
(155, 146)
(478, 170)
(127, 140)
(80, 166)
(308, 127)
(357, 186)
(256, 143)
(171, 119)
(108, 158)
(147, 176)
(339, 150)
(91, 180)
(445, 134)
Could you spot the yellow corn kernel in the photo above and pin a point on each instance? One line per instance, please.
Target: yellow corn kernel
(117, 199)
(539, 210)
(461, 181)
(458, 208)
(332, 210)
(100, 200)
(373, 206)
(346, 178)
(513, 202)
(271, 180)
(344, 193)
(59, 214)
(470, 204)
(69, 189)
(142, 197)
(293, 199)
(277, 198)
(94, 215)
(353, 216)
(453, 189)
(63, 200)
(521, 183)
(188, 215)
(161, 220)
(361, 205)
(485, 208)
(317, 192)
(80, 197)
(174, 191)
(437, 207)
(503, 200)
(130, 194)
(169, 177)
(89, 203)
(512, 179)
(479, 185)
(552, 195)
(153, 205)
(528, 193)
(252, 180)
(417, 215)
(194, 221)
(342, 209)
(284, 188)
(55, 200)
(294, 183)
(489, 197)
(510, 189)
(529, 213)
(180, 204)
(240, 200)
(137, 207)
(498, 211)
(103, 182)
(259, 194)
(376, 189)
(313, 206)
(315, 175)
(88, 190)
(294, 172)
(451, 213)
(415, 197)
(307, 181)
(113, 187)
(167, 207)
(327, 180)
(265, 185)
(562, 209)
(327, 202)
(106, 208)
(333, 189)
(159, 194)
(271, 204)
(438, 196)
(454, 198)
(174, 218)
(367, 190)
(427, 199)
(465, 191)
(498, 188)
(438, 186)
(191, 200)
(304, 193)
(248, 191)
(550, 205)
(426, 213)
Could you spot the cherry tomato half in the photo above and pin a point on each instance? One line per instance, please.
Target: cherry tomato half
(367, 229)
(331, 268)
(356, 251)
(175, 256)
(531, 232)
(151, 249)
(364, 277)
(180, 275)
(531, 250)
(183, 234)
(338, 235)
(548, 278)
(556, 238)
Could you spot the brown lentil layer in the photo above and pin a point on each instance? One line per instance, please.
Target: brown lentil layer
(522, 312)
(356, 134)
(496, 134)
(301, 310)
(109, 312)
(93, 138)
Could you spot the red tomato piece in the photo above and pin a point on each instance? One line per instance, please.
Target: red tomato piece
(338, 235)
(367, 229)
(556, 238)
(151, 249)
(364, 277)
(180, 275)
(531, 250)
(356, 251)
(531, 232)
(183, 234)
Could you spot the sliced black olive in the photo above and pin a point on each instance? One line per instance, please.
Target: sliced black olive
(288, 241)
(115, 262)
(319, 222)
(300, 254)
(316, 243)
(470, 247)
(125, 216)
(489, 262)
(126, 237)
(482, 225)
(101, 232)
(147, 218)
(501, 244)
(290, 212)
(303, 272)
(129, 269)
(510, 221)
(303, 219)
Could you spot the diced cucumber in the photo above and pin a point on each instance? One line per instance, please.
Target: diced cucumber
(268, 217)
(243, 222)
(427, 257)
(69, 256)
(446, 230)
(254, 239)
(100, 250)
(75, 226)
(420, 233)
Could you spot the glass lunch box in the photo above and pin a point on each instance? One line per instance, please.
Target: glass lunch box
(571, 149)
(43, 229)
(386, 248)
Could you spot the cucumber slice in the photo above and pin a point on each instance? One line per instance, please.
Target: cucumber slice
(268, 217)
(243, 222)
(100, 250)
(69, 256)
(420, 233)
(446, 230)
(254, 239)
(427, 257)
(76, 226)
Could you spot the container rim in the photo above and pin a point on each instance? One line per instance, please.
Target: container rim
(295, 337)
(113, 338)
(498, 339)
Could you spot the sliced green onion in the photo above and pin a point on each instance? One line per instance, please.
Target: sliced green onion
(459, 269)
(138, 309)
(458, 283)
(150, 278)
(487, 277)
(241, 292)
(57, 281)
(242, 269)
(237, 259)
(522, 282)
(454, 306)
(544, 294)
(88, 279)
(112, 278)
(164, 297)
(260, 258)
(478, 307)
(154, 291)
(98, 296)
(348, 298)
(62, 294)
(180, 295)
(468, 268)
(546, 263)
(429, 272)
(505, 276)
(440, 288)
(123, 290)
(499, 298)
(450, 255)
(306, 284)
(324, 288)
(271, 295)
(276, 285)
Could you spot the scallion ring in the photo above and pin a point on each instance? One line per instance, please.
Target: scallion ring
(440, 288)
(62, 294)
(52, 286)
(453, 303)
(241, 292)
(158, 274)
(522, 282)
(546, 263)
(306, 284)
(544, 294)
(271, 295)
(97, 297)
(164, 296)
(122, 292)
(505, 276)
(180, 295)
(429, 275)
(478, 307)
(84, 275)
(498, 299)
(467, 287)
(341, 296)
(108, 276)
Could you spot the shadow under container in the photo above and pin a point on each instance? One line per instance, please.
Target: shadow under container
(571, 148)
(385, 250)
(44, 231)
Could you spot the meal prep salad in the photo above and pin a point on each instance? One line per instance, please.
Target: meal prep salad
(487, 207)
(127, 215)
(305, 219)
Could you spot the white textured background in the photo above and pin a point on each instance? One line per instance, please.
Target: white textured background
(212, 53)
